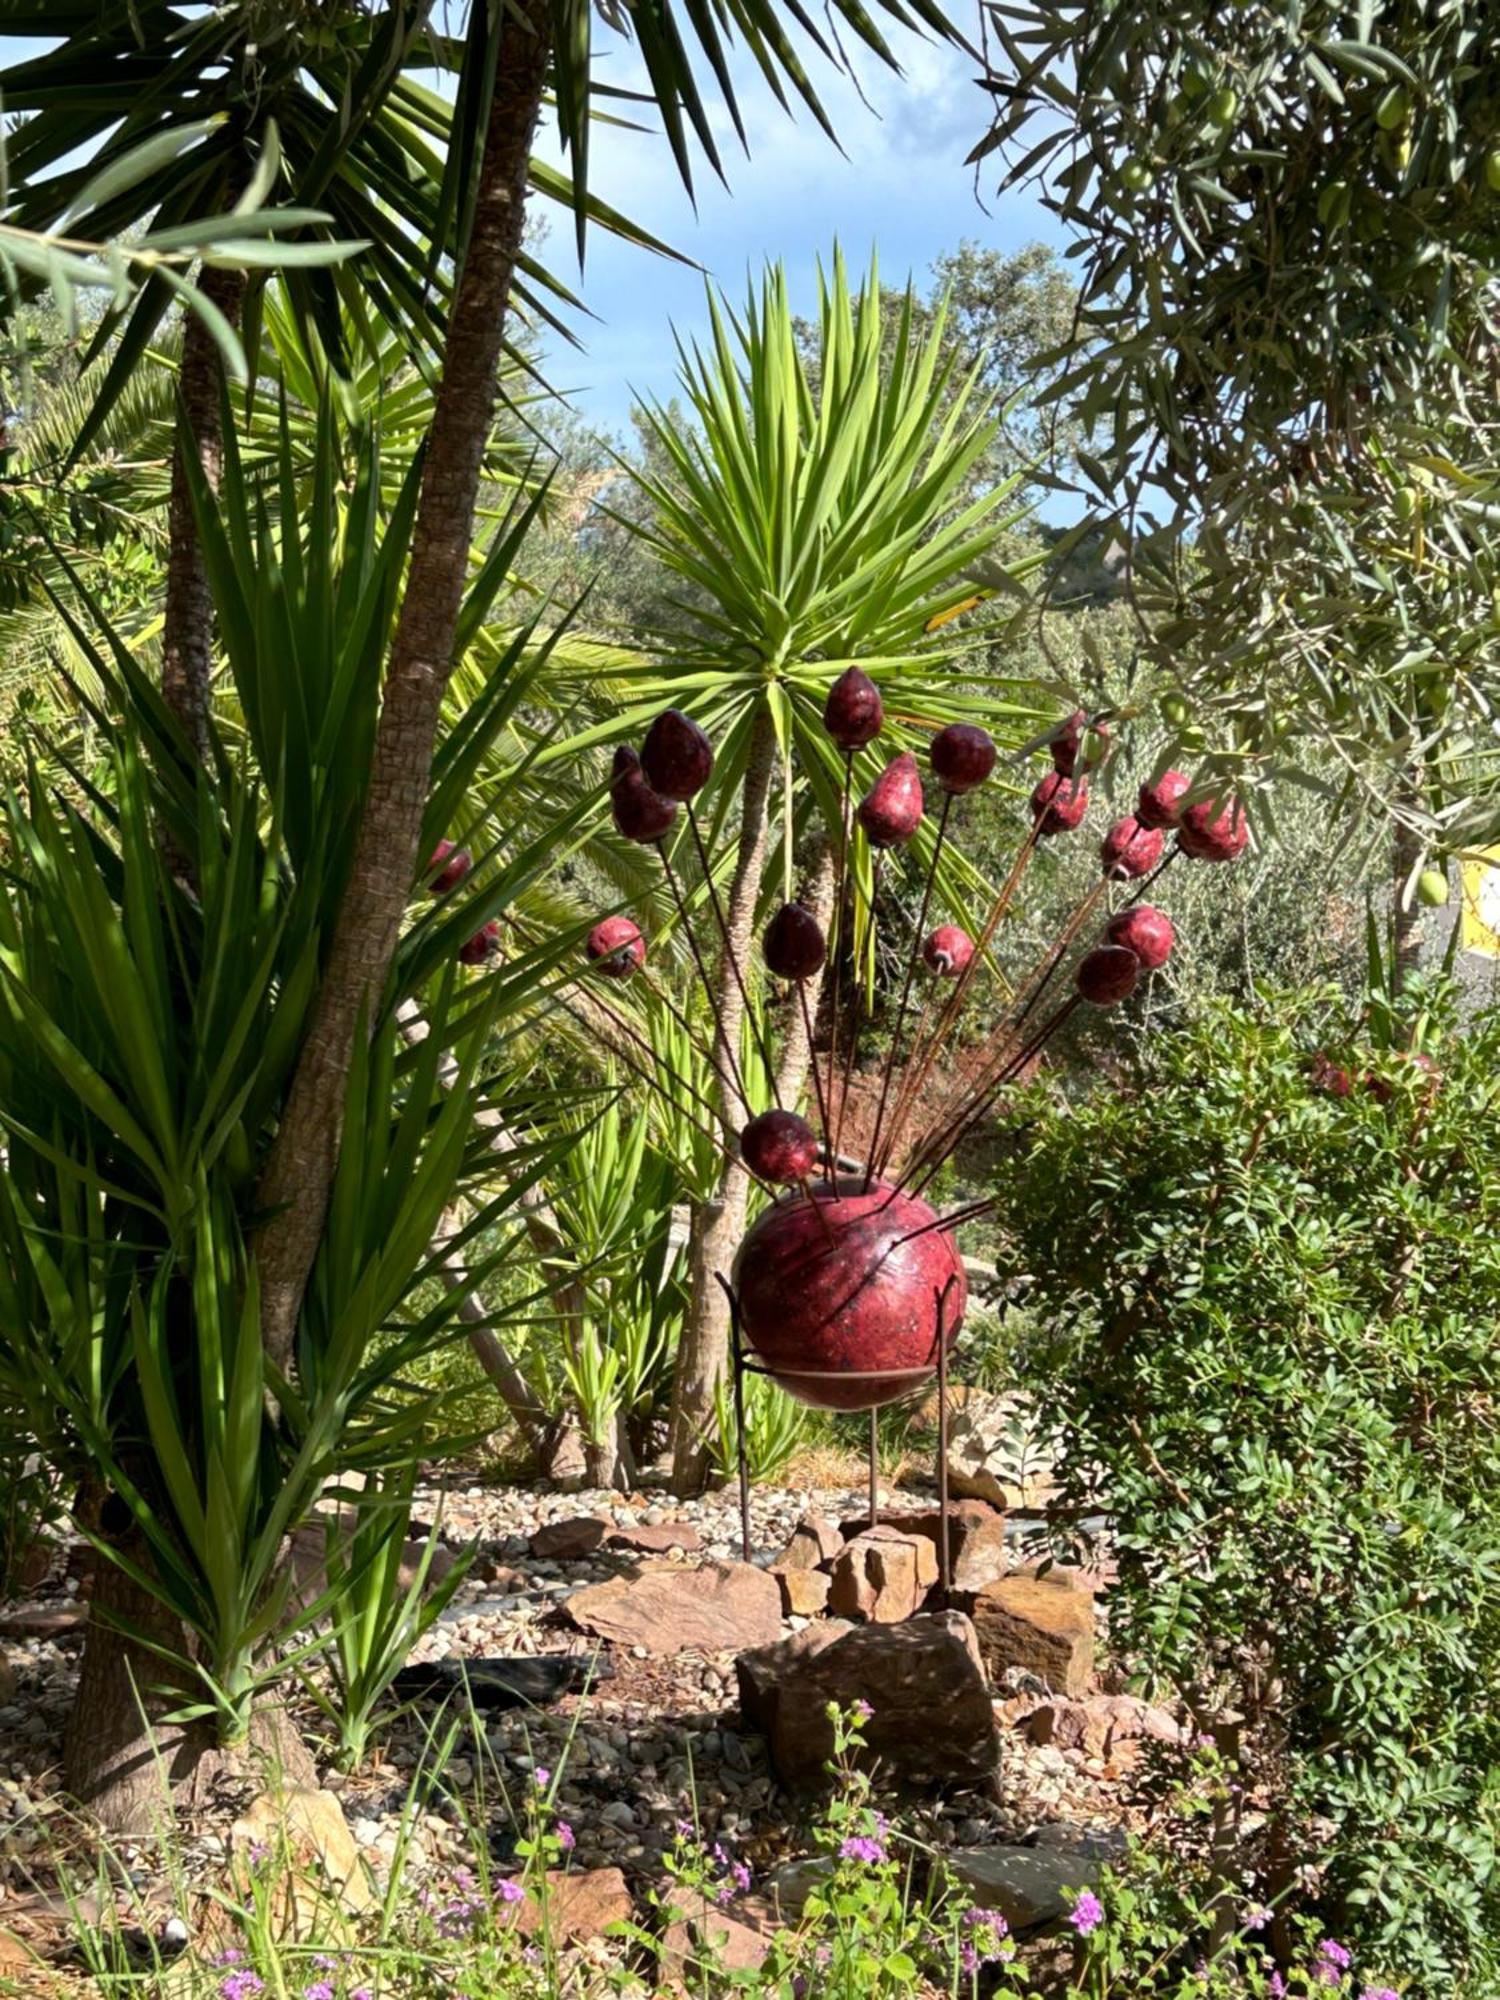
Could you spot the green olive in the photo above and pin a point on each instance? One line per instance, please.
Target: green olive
(1408, 503)
(1393, 110)
(1175, 709)
(1223, 105)
(1492, 169)
(1432, 887)
(1334, 204)
(1137, 176)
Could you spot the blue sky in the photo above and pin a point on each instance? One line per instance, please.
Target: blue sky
(900, 186)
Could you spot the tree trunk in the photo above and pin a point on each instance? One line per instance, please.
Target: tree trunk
(1407, 913)
(119, 1756)
(294, 1191)
(188, 620)
(719, 1222)
(123, 1764)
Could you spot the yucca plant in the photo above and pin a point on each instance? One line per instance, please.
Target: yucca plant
(160, 940)
(812, 508)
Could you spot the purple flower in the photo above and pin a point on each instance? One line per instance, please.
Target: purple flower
(1088, 1914)
(863, 1710)
(1380, 1993)
(684, 1829)
(361, 1993)
(541, 1777)
(510, 1891)
(1276, 1987)
(241, 1986)
(741, 1875)
(968, 1958)
(231, 1955)
(1256, 1919)
(860, 1848)
(565, 1838)
(320, 1989)
(1333, 1962)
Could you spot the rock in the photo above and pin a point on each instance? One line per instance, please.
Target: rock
(582, 1903)
(815, 1541)
(43, 1621)
(789, 1886)
(587, 1534)
(702, 1937)
(1108, 1845)
(720, 1606)
(567, 1541)
(500, 1683)
(1042, 1625)
(883, 1575)
(305, 1556)
(995, 1452)
(804, 1592)
(923, 1681)
(1027, 1885)
(977, 1548)
(322, 1855)
(1098, 1724)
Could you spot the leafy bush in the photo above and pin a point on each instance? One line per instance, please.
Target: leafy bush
(1271, 1272)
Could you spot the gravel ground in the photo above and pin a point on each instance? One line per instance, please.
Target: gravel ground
(656, 1743)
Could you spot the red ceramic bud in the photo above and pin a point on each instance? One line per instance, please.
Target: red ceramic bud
(1130, 850)
(1144, 930)
(1076, 737)
(1212, 832)
(962, 757)
(1108, 976)
(793, 945)
(482, 947)
(1161, 802)
(676, 756)
(842, 1297)
(891, 811)
(451, 865)
(640, 813)
(948, 951)
(1058, 804)
(779, 1146)
(616, 947)
(1330, 1077)
(853, 712)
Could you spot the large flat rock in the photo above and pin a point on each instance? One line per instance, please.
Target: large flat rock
(667, 1608)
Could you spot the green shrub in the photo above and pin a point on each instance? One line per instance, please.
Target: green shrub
(1271, 1272)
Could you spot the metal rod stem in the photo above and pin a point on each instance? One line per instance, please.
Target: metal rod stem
(873, 1162)
(737, 1365)
(874, 1467)
(945, 1553)
(721, 1039)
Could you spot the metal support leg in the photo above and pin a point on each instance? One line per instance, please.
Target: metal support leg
(945, 1552)
(874, 1467)
(737, 1365)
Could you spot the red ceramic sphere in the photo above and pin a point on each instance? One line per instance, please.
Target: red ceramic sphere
(794, 946)
(779, 1146)
(1144, 930)
(891, 811)
(838, 1296)
(1058, 804)
(1108, 976)
(1161, 802)
(1070, 737)
(616, 947)
(448, 867)
(1210, 832)
(948, 951)
(640, 813)
(853, 712)
(1130, 850)
(482, 947)
(962, 757)
(676, 756)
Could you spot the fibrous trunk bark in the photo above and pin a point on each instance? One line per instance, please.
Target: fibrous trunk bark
(188, 618)
(294, 1191)
(719, 1222)
(123, 1763)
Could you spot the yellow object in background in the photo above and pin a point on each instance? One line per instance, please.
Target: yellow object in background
(1480, 916)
